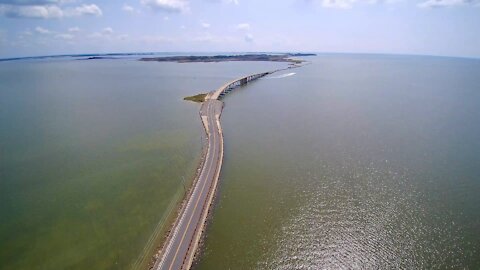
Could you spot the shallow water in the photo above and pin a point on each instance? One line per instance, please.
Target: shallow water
(356, 161)
(94, 155)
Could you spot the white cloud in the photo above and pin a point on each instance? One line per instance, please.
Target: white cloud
(28, 11)
(243, 26)
(447, 3)
(107, 31)
(347, 4)
(249, 38)
(167, 5)
(390, 1)
(42, 30)
(128, 8)
(342, 4)
(235, 2)
(205, 25)
(74, 29)
(90, 10)
(45, 9)
(30, 2)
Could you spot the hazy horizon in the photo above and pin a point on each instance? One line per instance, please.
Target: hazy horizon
(13, 58)
(405, 27)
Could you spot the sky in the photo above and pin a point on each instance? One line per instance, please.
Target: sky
(426, 27)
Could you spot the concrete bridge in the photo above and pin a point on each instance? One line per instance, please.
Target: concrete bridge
(229, 86)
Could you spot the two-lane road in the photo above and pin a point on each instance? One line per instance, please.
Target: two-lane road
(181, 248)
(182, 244)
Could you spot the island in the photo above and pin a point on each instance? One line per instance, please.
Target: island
(286, 57)
(196, 98)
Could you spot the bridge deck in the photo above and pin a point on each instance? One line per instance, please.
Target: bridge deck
(240, 81)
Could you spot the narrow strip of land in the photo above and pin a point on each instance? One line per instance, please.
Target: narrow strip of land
(179, 252)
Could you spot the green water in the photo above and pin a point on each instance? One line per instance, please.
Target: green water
(354, 162)
(93, 157)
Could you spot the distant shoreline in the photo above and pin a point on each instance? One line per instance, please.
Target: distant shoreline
(115, 56)
(100, 56)
(227, 58)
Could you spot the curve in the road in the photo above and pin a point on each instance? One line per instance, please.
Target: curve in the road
(179, 251)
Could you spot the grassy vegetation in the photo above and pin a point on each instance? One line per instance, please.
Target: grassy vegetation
(196, 98)
(224, 58)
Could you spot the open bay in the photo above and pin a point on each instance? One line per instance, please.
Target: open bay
(354, 162)
(94, 155)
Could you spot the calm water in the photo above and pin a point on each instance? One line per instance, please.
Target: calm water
(352, 162)
(93, 155)
(363, 162)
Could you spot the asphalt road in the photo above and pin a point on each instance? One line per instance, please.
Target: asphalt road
(180, 249)
(179, 252)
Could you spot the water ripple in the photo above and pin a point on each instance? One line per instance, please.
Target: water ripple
(362, 217)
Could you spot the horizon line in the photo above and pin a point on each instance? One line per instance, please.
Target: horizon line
(33, 57)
